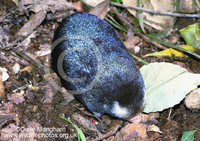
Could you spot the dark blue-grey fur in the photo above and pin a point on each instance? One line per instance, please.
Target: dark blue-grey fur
(118, 77)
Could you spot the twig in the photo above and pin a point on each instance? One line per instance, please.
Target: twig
(125, 22)
(157, 12)
(170, 111)
(139, 59)
(91, 116)
(110, 133)
(31, 59)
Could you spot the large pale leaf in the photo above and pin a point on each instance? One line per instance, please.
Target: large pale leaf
(166, 85)
(156, 21)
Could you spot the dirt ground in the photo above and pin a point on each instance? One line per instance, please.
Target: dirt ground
(33, 106)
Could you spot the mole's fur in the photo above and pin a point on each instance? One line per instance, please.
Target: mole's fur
(92, 50)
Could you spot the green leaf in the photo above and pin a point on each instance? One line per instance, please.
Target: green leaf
(140, 15)
(138, 29)
(140, 59)
(188, 135)
(136, 21)
(79, 132)
(191, 34)
(166, 85)
(118, 1)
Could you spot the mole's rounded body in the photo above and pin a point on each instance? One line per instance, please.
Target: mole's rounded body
(95, 66)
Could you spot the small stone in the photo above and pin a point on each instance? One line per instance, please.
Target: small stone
(136, 49)
(4, 76)
(16, 68)
(192, 100)
(3, 70)
(145, 118)
(153, 116)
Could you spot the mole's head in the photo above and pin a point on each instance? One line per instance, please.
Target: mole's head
(130, 104)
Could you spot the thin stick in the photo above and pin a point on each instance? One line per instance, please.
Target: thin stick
(30, 58)
(157, 12)
(110, 133)
(170, 111)
(91, 116)
(125, 22)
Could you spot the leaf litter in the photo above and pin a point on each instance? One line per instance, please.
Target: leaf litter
(47, 114)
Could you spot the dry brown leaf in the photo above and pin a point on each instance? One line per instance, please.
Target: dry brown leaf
(48, 94)
(131, 42)
(156, 21)
(29, 26)
(26, 42)
(8, 130)
(35, 126)
(4, 117)
(153, 128)
(26, 2)
(132, 131)
(155, 137)
(16, 98)
(101, 9)
(78, 6)
(47, 5)
(67, 97)
(8, 107)
(188, 6)
(88, 125)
